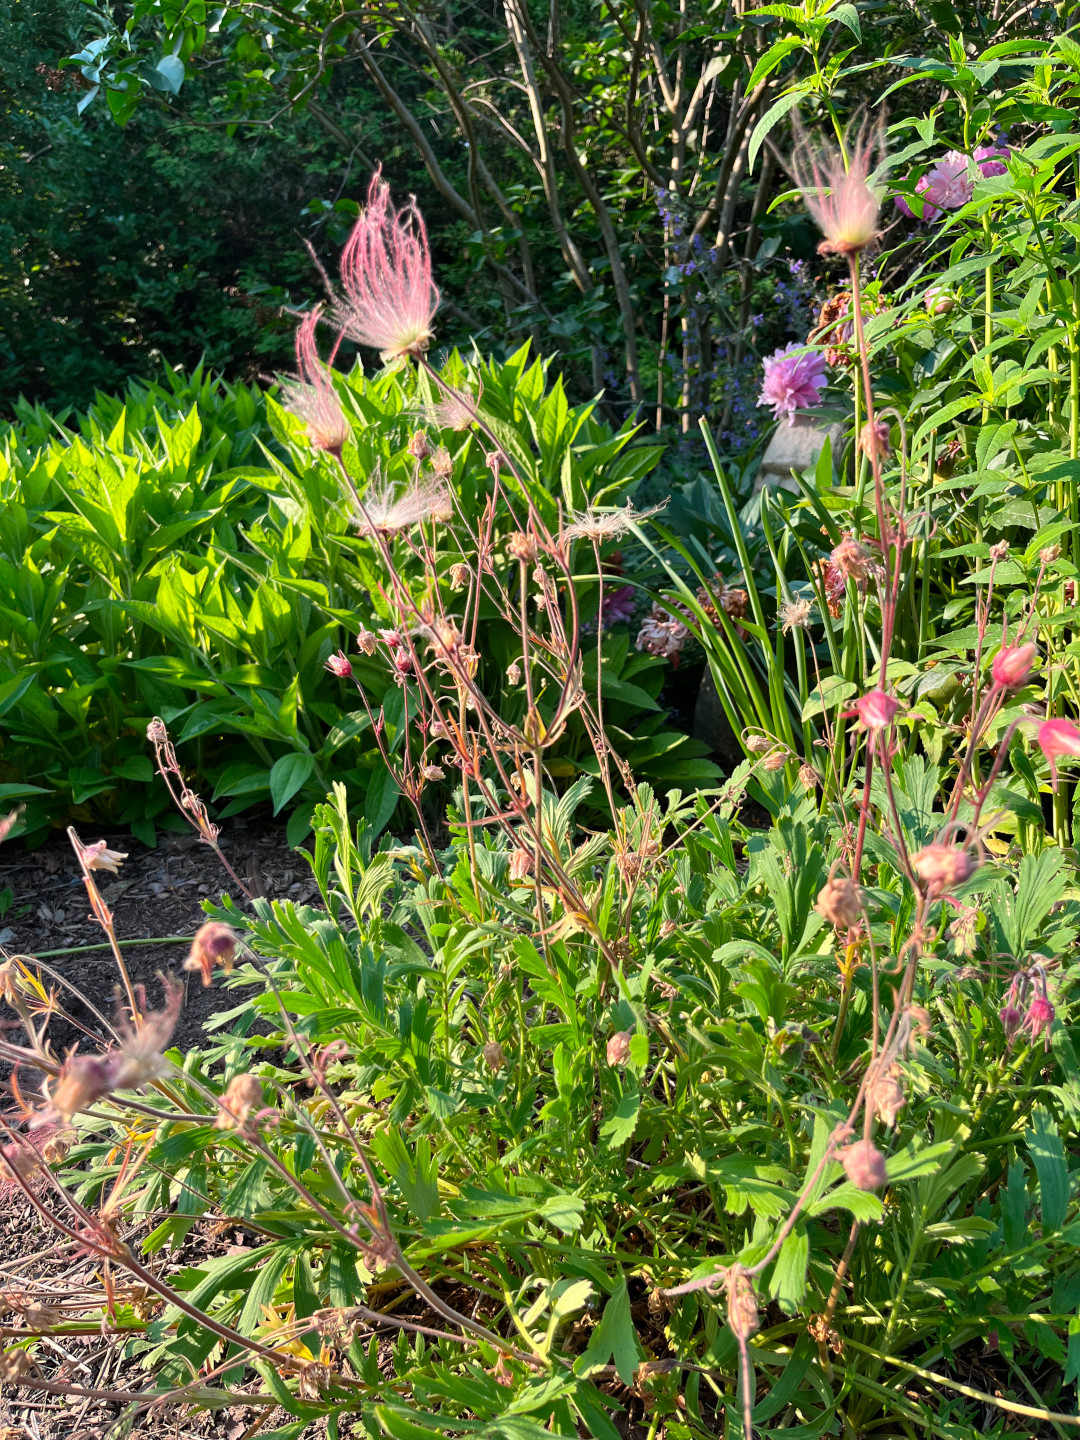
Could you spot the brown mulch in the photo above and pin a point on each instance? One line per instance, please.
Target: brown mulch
(156, 897)
(156, 894)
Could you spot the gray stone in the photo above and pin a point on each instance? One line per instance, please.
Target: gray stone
(797, 447)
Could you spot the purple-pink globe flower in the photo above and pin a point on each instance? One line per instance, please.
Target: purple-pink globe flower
(794, 380)
(947, 185)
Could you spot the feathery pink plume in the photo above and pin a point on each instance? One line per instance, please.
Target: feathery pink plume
(838, 195)
(311, 395)
(390, 299)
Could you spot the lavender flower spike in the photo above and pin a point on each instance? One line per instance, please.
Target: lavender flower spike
(390, 299)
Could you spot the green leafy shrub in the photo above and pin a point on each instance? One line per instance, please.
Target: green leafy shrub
(183, 553)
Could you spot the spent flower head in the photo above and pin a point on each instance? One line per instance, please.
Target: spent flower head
(600, 525)
(386, 510)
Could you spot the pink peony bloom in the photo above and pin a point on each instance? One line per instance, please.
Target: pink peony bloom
(990, 158)
(946, 186)
(311, 395)
(794, 380)
(1012, 665)
(1056, 738)
(390, 299)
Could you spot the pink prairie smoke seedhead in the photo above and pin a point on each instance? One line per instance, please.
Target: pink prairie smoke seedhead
(1012, 665)
(311, 396)
(794, 379)
(1057, 738)
(839, 196)
(390, 299)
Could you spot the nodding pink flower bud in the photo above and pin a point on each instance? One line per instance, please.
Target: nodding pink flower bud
(874, 440)
(418, 446)
(1012, 665)
(840, 903)
(403, 662)
(886, 1098)
(339, 664)
(98, 856)
(1010, 1018)
(521, 864)
(82, 1080)
(864, 1165)
(1055, 738)
(1040, 1017)
(213, 944)
(618, 1047)
(877, 710)
(390, 300)
(460, 575)
(391, 638)
(19, 1158)
(433, 772)
(942, 867)
(243, 1094)
(851, 558)
(367, 643)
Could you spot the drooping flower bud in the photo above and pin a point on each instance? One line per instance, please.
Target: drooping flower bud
(366, 642)
(852, 559)
(864, 1165)
(1040, 1017)
(433, 773)
(459, 575)
(243, 1094)
(338, 664)
(874, 440)
(808, 776)
(418, 446)
(942, 867)
(521, 865)
(98, 856)
(494, 1055)
(840, 903)
(1056, 738)
(83, 1079)
(885, 1096)
(877, 710)
(213, 944)
(742, 1310)
(1012, 665)
(618, 1047)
